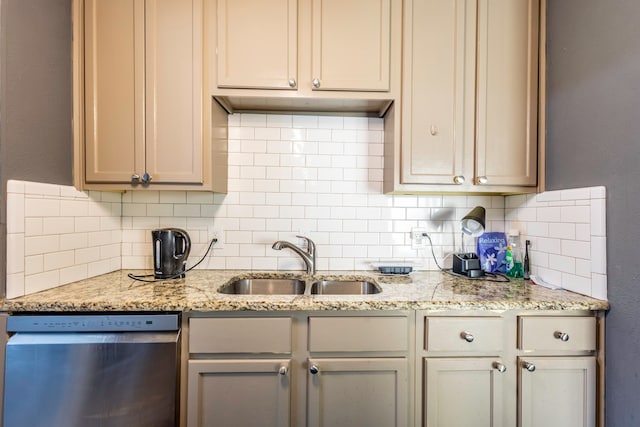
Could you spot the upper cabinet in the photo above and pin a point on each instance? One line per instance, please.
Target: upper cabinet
(146, 120)
(351, 45)
(469, 98)
(307, 55)
(257, 44)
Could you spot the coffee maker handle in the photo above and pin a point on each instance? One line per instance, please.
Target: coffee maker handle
(187, 245)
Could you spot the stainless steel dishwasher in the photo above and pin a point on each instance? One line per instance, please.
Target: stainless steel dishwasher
(92, 370)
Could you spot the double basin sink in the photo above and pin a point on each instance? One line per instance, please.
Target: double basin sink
(297, 286)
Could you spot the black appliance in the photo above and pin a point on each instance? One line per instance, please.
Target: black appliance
(171, 248)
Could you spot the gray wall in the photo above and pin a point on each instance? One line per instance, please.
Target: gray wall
(35, 97)
(594, 139)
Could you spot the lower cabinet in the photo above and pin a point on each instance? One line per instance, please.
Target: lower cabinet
(301, 369)
(348, 392)
(525, 369)
(233, 393)
(557, 371)
(463, 392)
(557, 391)
(393, 369)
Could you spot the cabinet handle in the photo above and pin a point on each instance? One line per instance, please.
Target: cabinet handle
(292, 83)
(315, 83)
(135, 177)
(146, 178)
(467, 336)
(283, 370)
(562, 336)
(458, 179)
(314, 369)
(529, 366)
(499, 367)
(434, 130)
(482, 180)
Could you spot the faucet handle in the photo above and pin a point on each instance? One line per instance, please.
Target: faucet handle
(311, 247)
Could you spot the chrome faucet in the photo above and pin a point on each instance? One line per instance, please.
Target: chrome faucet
(308, 256)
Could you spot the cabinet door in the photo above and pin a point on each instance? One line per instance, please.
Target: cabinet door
(507, 100)
(557, 392)
(257, 44)
(351, 44)
(114, 89)
(463, 392)
(232, 393)
(174, 90)
(357, 392)
(438, 91)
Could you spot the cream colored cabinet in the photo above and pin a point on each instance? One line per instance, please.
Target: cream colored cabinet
(557, 372)
(239, 372)
(146, 119)
(463, 392)
(298, 369)
(351, 45)
(257, 44)
(324, 55)
(557, 392)
(469, 98)
(530, 369)
(345, 392)
(365, 381)
(239, 393)
(463, 370)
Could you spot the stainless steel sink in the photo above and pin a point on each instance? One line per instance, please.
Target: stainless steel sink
(344, 287)
(255, 286)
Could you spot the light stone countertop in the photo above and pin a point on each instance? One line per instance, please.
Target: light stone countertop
(432, 290)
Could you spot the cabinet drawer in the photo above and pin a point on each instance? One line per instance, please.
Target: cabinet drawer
(557, 333)
(342, 334)
(238, 335)
(466, 334)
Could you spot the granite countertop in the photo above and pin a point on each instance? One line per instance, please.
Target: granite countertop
(198, 292)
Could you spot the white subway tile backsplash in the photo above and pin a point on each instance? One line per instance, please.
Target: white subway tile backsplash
(599, 255)
(576, 214)
(567, 235)
(15, 253)
(599, 286)
(549, 214)
(576, 249)
(598, 217)
(15, 211)
(291, 174)
(15, 285)
(41, 281)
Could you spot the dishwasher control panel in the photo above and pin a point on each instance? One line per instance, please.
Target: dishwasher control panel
(93, 323)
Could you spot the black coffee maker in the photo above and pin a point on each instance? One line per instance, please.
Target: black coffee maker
(171, 248)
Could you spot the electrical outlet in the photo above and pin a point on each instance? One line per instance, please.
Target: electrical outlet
(418, 240)
(216, 233)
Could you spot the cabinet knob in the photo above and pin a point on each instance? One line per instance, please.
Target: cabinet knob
(467, 336)
(562, 336)
(315, 83)
(434, 130)
(135, 177)
(292, 83)
(529, 366)
(482, 180)
(146, 178)
(498, 366)
(314, 369)
(283, 370)
(458, 179)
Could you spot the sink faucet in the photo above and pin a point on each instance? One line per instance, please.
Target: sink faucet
(308, 256)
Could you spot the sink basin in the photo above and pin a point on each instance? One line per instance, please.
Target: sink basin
(264, 287)
(344, 287)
